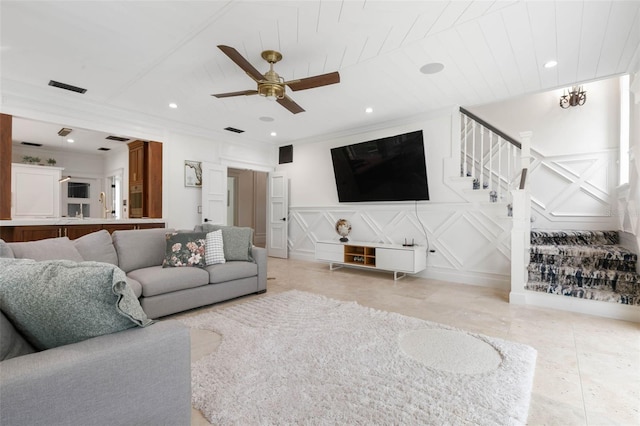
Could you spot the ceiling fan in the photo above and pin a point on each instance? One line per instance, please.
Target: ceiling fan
(271, 85)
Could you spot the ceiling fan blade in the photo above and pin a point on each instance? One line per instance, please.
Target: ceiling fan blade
(240, 93)
(316, 81)
(240, 61)
(289, 104)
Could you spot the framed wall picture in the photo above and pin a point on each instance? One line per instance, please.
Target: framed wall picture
(193, 173)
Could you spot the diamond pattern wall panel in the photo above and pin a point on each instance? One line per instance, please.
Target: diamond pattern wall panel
(576, 191)
(470, 240)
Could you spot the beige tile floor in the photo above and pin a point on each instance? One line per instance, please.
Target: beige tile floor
(588, 368)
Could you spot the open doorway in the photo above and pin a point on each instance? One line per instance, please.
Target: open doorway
(247, 202)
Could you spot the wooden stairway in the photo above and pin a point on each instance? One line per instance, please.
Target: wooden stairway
(583, 264)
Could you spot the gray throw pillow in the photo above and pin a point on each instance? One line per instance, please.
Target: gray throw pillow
(58, 302)
(237, 241)
(97, 246)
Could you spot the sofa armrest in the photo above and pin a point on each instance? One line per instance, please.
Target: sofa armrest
(140, 376)
(260, 256)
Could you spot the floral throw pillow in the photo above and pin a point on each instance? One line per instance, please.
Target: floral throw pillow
(185, 249)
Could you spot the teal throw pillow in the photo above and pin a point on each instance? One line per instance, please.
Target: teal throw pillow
(185, 249)
(58, 302)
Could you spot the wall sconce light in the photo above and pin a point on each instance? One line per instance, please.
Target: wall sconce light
(64, 179)
(575, 97)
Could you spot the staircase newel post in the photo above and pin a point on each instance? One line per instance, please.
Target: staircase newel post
(525, 149)
(521, 229)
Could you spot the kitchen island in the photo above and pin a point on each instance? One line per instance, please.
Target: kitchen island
(19, 230)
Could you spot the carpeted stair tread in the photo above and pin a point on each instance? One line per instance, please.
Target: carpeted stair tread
(620, 281)
(612, 252)
(589, 293)
(583, 264)
(574, 237)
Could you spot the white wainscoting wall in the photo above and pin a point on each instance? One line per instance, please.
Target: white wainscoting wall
(471, 240)
(575, 191)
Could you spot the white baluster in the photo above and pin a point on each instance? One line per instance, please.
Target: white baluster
(499, 166)
(481, 157)
(473, 151)
(509, 165)
(491, 186)
(465, 165)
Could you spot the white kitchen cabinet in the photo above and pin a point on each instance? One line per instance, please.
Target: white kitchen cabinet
(35, 191)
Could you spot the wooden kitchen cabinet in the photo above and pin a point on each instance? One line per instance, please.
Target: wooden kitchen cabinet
(77, 231)
(40, 232)
(145, 179)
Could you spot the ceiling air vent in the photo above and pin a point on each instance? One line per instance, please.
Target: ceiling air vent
(233, 129)
(117, 138)
(30, 144)
(64, 131)
(102, 148)
(66, 86)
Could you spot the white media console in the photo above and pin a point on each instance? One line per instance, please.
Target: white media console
(399, 259)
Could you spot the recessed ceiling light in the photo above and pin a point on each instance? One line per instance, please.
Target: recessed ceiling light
(70, 140)
(265, 118)
(550, 64)
(274, 134)
(432, 68)
(369, 110)
(173, 105)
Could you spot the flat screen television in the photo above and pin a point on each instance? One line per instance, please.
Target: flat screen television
(387, 169)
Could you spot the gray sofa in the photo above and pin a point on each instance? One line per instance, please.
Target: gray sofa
(139, 376)
(140, 254)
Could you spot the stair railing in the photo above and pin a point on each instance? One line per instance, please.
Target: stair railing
(502, 165)
(489, 155)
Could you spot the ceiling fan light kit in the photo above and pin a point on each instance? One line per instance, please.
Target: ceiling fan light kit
(271, 85)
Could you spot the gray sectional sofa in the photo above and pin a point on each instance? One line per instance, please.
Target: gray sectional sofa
(140, 254)
(139, 376)
(134, 376)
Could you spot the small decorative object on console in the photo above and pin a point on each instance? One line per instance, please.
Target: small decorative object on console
(343, 228)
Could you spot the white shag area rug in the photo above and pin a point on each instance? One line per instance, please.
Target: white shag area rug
(297, 358)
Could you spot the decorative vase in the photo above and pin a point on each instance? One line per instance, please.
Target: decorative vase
(343, 228)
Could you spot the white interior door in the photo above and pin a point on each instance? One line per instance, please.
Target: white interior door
(214, 193)
(277, 213)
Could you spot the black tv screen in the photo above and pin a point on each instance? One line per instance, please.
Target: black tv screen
(387, 169)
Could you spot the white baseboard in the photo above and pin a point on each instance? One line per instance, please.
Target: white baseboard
(460, 277)
(532, 298)
(573, 304)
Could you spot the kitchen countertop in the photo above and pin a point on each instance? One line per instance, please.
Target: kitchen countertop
(74, 221)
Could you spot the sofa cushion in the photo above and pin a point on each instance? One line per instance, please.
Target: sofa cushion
(58, 302)
(229, 271)
(97, 246)
(49, 249)
(214, 252)
(184, 249)
(237, 241)
(12, 344)
(158, 280)
(5, 250)
(140, 248)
